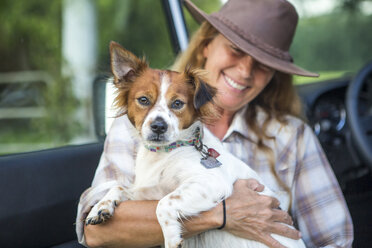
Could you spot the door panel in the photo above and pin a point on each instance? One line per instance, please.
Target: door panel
(40, 192)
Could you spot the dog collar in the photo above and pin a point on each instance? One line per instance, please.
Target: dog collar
(209, 155)
(195, 141)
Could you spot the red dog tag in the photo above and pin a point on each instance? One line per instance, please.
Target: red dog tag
(213, 153)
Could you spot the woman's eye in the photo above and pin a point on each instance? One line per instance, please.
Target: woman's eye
(177, 104)
(264, 67)
(236, 50)
(143, 101)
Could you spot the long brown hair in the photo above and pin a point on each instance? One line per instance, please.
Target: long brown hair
(193, 56)
(277, 100)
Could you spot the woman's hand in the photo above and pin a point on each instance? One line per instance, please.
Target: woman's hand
(254, 216)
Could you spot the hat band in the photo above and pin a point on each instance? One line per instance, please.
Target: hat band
(273, 51)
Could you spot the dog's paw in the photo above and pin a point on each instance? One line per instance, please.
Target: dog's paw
(101, 212)
(172, 233)
(173, 243)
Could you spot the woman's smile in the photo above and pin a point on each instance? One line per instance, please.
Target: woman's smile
(234, 84)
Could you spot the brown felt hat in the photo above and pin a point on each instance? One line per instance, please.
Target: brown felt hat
(264, 29)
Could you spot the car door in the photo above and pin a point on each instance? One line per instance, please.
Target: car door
(52, 92)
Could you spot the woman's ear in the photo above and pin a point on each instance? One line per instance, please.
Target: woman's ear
(206, 51)
(124, 65)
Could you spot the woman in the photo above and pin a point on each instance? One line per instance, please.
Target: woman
(244, 47)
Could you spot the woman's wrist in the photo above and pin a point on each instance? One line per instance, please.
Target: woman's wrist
(215, 216)
(211, 219)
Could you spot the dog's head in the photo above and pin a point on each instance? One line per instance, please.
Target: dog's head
(159, 103)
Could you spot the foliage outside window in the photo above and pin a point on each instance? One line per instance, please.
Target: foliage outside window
(336, 42)
(31, 41)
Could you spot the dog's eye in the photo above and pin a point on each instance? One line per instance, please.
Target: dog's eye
(143, 101)
(177, 104)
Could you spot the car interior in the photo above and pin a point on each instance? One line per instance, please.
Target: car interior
(40, 188)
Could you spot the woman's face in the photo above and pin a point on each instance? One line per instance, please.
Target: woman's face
(236, 75)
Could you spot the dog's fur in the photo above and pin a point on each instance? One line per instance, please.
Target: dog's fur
(166, 106)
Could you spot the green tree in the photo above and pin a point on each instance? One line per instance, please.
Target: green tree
(334, 42)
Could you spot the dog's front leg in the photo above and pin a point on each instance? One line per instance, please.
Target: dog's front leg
(188, 199)
(105, 208)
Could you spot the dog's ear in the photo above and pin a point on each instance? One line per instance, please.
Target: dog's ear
(125, 65)
(203, 91)
(204, 105)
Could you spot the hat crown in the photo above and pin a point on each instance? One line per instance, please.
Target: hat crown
(272, 22)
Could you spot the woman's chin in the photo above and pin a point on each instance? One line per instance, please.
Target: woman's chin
(231, 104)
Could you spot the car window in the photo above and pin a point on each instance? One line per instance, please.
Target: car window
(208, 7)
(333, 37)
(52, 51)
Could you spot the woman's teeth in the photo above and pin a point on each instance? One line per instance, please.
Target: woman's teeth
(233, 84)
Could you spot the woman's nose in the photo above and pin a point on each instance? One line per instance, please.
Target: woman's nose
(245, 66)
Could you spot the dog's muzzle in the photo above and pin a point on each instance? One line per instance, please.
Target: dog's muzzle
(158, 128)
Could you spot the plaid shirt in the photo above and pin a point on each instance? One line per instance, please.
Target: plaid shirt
(318, 207)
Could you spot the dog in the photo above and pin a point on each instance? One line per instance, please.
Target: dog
(178, 163)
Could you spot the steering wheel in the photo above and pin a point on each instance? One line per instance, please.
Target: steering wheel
(359, 112)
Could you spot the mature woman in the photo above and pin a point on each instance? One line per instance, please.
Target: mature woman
(244, 47)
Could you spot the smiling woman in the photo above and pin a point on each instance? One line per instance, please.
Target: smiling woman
(232, 74)
(244, 48)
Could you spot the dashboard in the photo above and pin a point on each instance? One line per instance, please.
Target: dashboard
(324, 104)
(328, 116)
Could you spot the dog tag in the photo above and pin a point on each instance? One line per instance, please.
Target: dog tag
(210, 162)
(213, 153)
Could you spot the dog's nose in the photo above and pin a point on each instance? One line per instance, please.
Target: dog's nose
(159, 126)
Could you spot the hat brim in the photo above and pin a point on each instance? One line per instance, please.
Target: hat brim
(258, 54)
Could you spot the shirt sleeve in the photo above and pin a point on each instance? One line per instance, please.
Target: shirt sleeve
(116, 166)
(319, 206)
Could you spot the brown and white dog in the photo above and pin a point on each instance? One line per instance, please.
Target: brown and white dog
(173, 164)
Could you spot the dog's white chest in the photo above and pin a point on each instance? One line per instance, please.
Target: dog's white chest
(159, 173)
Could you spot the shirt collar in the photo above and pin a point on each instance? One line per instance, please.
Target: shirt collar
(238, 124)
